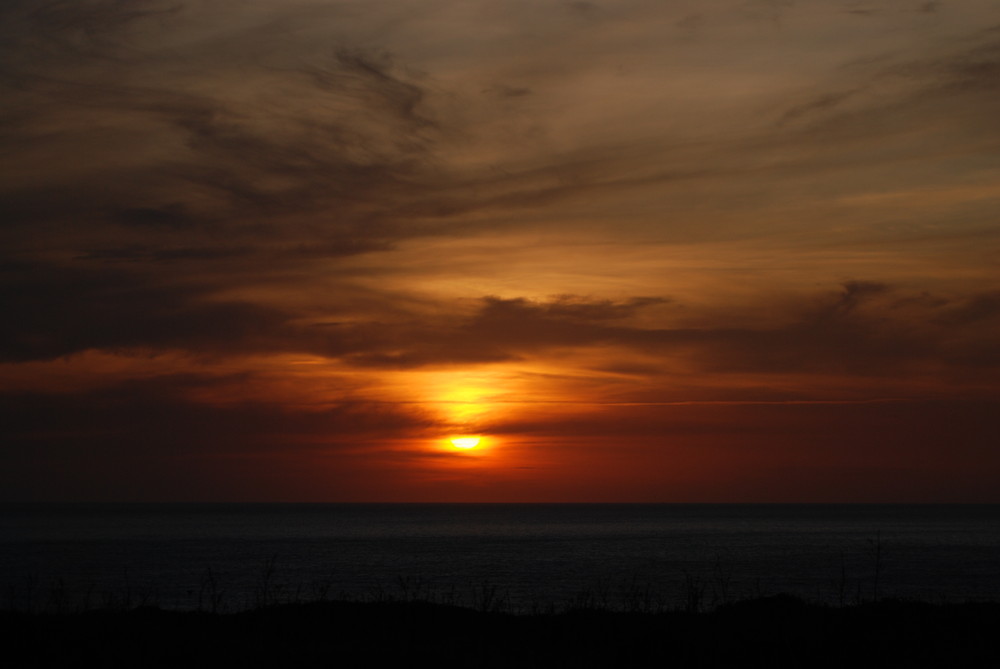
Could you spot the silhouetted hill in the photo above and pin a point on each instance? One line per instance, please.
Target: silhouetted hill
(777, 631)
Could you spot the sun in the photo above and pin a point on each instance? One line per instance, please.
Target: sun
(465, 442)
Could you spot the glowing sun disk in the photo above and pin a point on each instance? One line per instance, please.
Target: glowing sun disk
(465, 442)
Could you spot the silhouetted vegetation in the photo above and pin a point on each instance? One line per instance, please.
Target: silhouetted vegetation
(624, 623)
(778, 631)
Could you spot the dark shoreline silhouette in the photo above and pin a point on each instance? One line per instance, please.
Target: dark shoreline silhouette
(777, 631)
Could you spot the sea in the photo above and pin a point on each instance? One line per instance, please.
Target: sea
(506, 557)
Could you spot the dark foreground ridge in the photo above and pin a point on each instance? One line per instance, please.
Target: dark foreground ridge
(778, 631)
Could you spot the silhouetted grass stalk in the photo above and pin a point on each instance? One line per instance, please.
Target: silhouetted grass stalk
(694, 593)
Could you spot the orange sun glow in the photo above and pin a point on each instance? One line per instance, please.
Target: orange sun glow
(465, 442)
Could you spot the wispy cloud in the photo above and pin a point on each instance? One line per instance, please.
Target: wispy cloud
(567, 203)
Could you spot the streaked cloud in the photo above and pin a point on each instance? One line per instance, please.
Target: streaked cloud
(522, 215)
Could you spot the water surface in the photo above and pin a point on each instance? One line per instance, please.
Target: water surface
(529, 555)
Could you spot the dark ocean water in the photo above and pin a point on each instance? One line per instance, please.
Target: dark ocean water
(526, 556)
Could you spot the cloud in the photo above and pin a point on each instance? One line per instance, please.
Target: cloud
(170, 216)
(974, 309)
(49, 314)
(867, 328)
(823, 103)
(158, 439)
(122, 133)
(139, 253)
(763, 200)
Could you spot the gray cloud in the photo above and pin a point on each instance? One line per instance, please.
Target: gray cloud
(130, 137)
(149, 440)
(664, 201)
(866, 329)
(50, 314)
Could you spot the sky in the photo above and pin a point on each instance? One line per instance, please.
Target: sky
(644, 250)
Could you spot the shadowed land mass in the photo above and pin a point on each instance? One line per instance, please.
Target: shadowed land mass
(778, 631)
